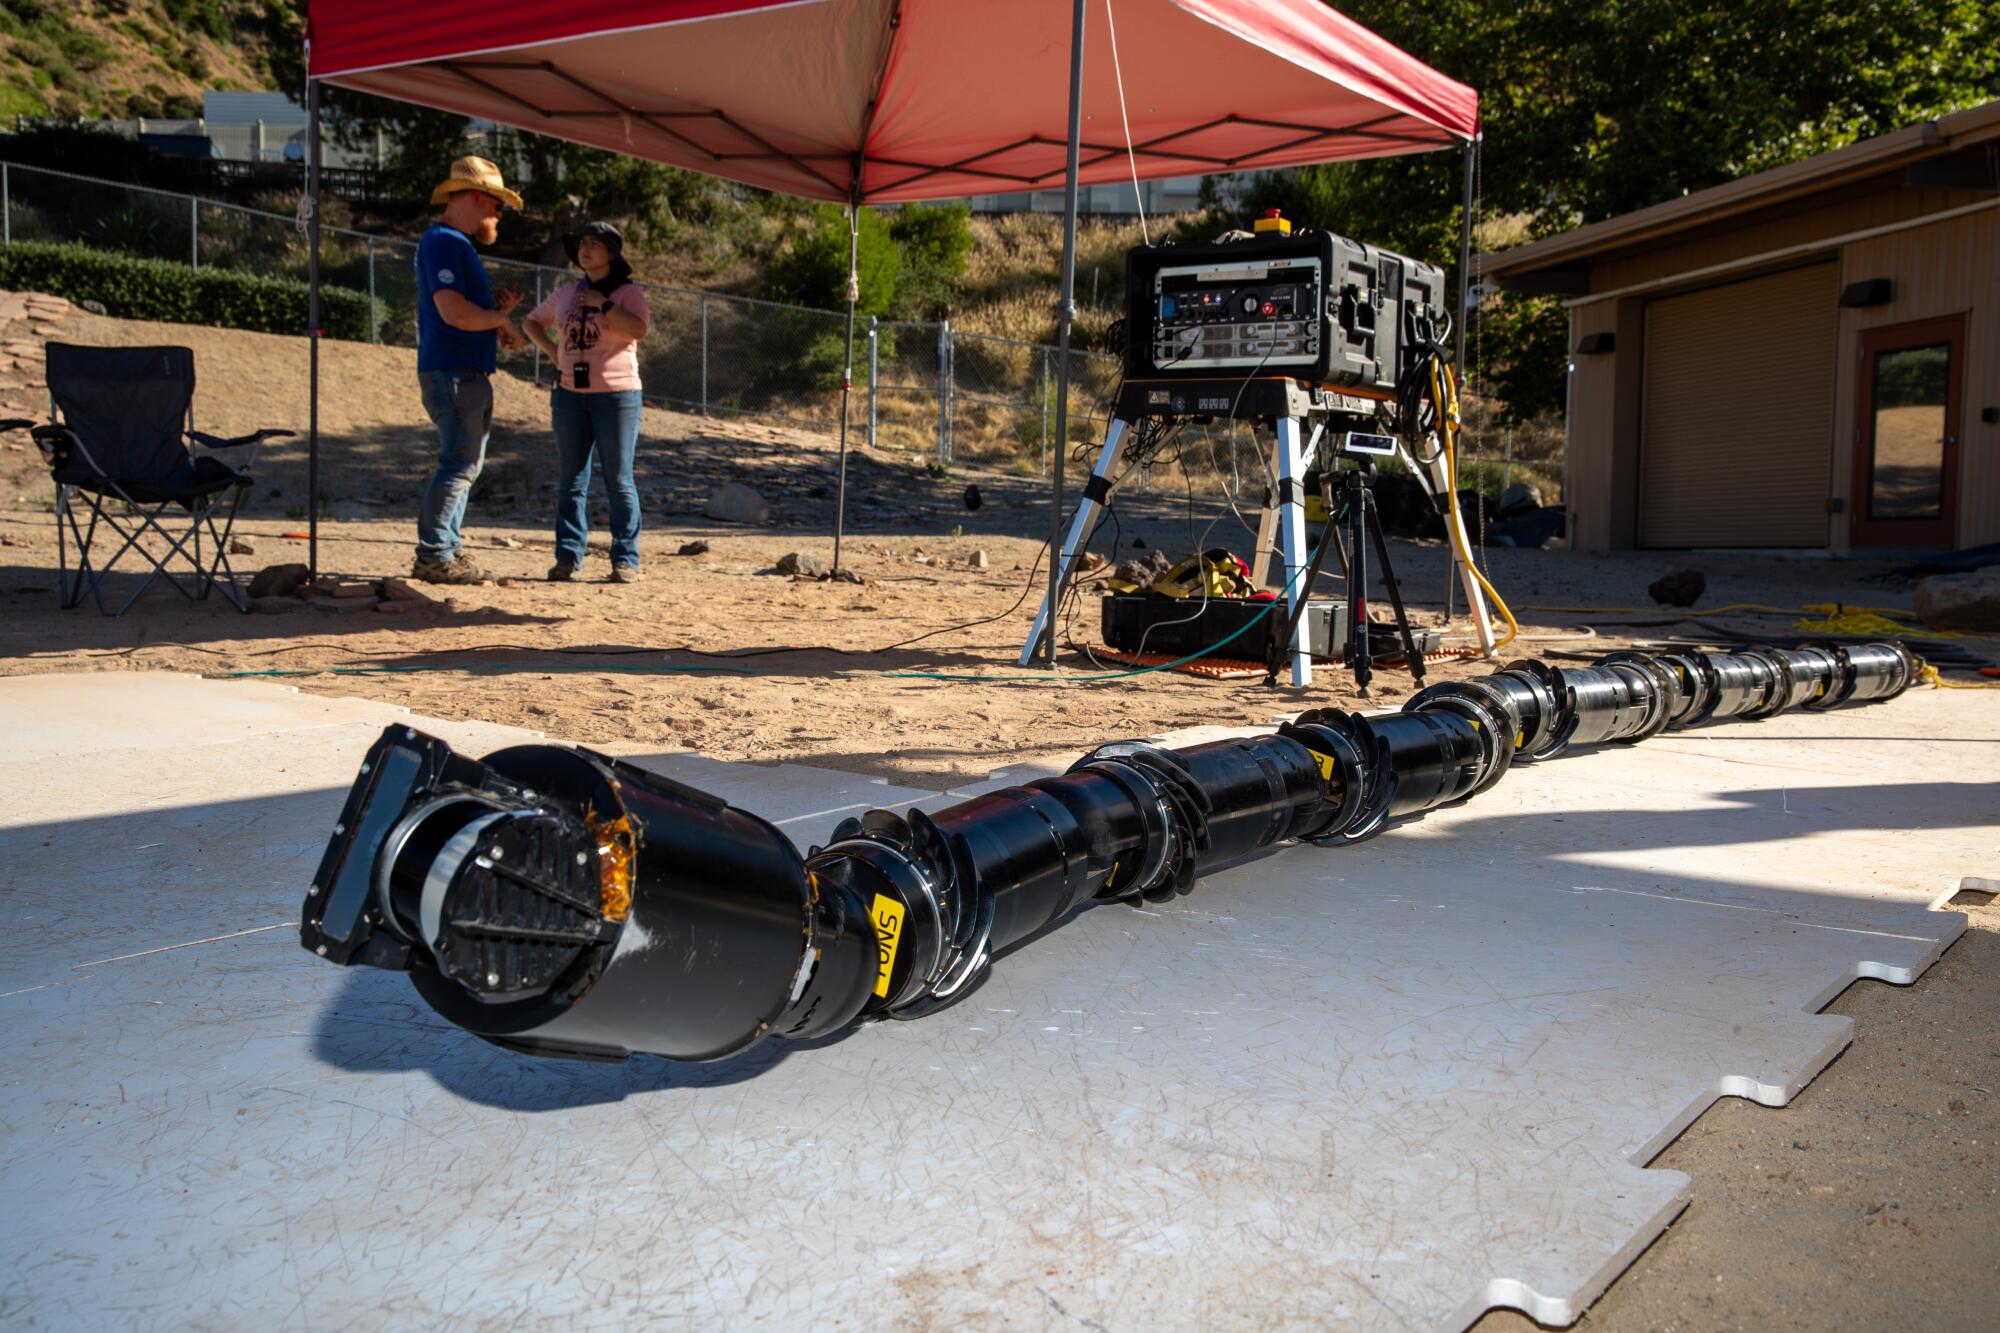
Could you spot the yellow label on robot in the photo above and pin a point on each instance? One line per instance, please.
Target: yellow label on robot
(887, 914)
(1325, 762)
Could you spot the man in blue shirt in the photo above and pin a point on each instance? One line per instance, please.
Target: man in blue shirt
(460, 321)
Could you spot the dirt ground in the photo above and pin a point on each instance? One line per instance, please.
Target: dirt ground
(1870, 1201)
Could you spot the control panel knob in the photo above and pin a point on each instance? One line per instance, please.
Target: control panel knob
(1249, 305)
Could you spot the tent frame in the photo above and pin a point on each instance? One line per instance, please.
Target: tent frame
(665, 121)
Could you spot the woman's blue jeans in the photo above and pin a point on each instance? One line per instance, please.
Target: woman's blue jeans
(606, 424)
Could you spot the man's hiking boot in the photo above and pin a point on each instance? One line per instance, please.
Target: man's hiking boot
(459, 569)
(625, 574)
(562, 571)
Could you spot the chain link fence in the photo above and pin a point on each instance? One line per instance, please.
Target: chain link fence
(917, 386)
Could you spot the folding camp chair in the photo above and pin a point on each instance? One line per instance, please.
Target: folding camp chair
(121, 443)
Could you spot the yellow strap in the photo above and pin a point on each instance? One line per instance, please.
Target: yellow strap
(1853, 622)
(1932, 674)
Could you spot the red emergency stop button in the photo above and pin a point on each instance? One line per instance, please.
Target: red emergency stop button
(1270, 309)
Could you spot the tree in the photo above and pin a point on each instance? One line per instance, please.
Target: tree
(1592, 110)
(814, 273)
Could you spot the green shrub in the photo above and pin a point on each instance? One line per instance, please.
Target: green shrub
(934, 241)
(160, 289)
(814, 273)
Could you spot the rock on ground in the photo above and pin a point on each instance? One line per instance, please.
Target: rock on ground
(1961, 601)
(733, 502)
(1683, 587)
(279, 580)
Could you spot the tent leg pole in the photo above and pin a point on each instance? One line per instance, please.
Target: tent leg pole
(1458, 356)
(312, 330)
(1065, 315)
(847, 374)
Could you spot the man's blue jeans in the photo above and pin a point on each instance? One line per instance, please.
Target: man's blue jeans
(460, 404)
(607, 424)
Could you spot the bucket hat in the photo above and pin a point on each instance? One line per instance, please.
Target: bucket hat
(603, 231)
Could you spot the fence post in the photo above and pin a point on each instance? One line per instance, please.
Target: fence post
(374, 322)
(6, 208)
(1044, 396)
(945, 381)
(194, 234)
(704, 353)
(874, 365)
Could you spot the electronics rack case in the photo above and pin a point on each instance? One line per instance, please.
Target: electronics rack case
(1310, 305)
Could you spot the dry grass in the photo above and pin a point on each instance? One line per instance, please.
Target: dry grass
(1014, 275)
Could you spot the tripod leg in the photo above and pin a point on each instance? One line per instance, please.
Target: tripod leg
(1095, 492)
(1292, 538)
(1360, 653)
(1260, 559)
(1410, 653)
(1274, 650)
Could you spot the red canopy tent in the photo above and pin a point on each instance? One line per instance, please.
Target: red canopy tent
(871, 101)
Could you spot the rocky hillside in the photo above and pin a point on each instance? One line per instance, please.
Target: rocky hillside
(125, 58)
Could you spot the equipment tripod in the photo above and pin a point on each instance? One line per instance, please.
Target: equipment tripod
(1292, 408)
(1356, 510)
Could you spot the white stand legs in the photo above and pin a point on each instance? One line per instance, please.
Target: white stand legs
(1292, 539)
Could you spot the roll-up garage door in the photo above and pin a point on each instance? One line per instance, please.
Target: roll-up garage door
(1737, 441)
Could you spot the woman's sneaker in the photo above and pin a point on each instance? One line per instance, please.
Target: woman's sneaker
(625, 574)
(459, 570)
(562, 571)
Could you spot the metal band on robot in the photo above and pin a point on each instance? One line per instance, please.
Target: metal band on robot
(562, 902)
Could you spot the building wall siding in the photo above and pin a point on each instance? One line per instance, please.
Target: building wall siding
(1939, 269)
(1592, 426)
(1943, 269)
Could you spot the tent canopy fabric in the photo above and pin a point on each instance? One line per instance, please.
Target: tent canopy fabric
(924, 99)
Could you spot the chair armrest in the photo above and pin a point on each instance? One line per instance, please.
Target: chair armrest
(202, 437)
(60, 445)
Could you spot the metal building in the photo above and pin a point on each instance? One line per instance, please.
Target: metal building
(1808, 357)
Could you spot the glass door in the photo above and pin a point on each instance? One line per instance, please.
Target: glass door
(1906, 431)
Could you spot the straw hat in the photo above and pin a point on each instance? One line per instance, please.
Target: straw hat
(475, 173)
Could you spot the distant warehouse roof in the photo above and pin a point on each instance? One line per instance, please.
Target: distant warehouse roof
(274, 109)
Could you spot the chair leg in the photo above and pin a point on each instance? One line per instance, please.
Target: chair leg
(63, 600)
(186, 547)
(221, 560)
(86, 576)
(176, 547)
(131, 543)
(147, 520)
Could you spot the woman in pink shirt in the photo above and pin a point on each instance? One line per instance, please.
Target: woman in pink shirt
(591, 328)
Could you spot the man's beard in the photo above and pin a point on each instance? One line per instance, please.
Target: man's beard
(489, 230)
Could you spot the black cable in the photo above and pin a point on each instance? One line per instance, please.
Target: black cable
(1027, 588)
